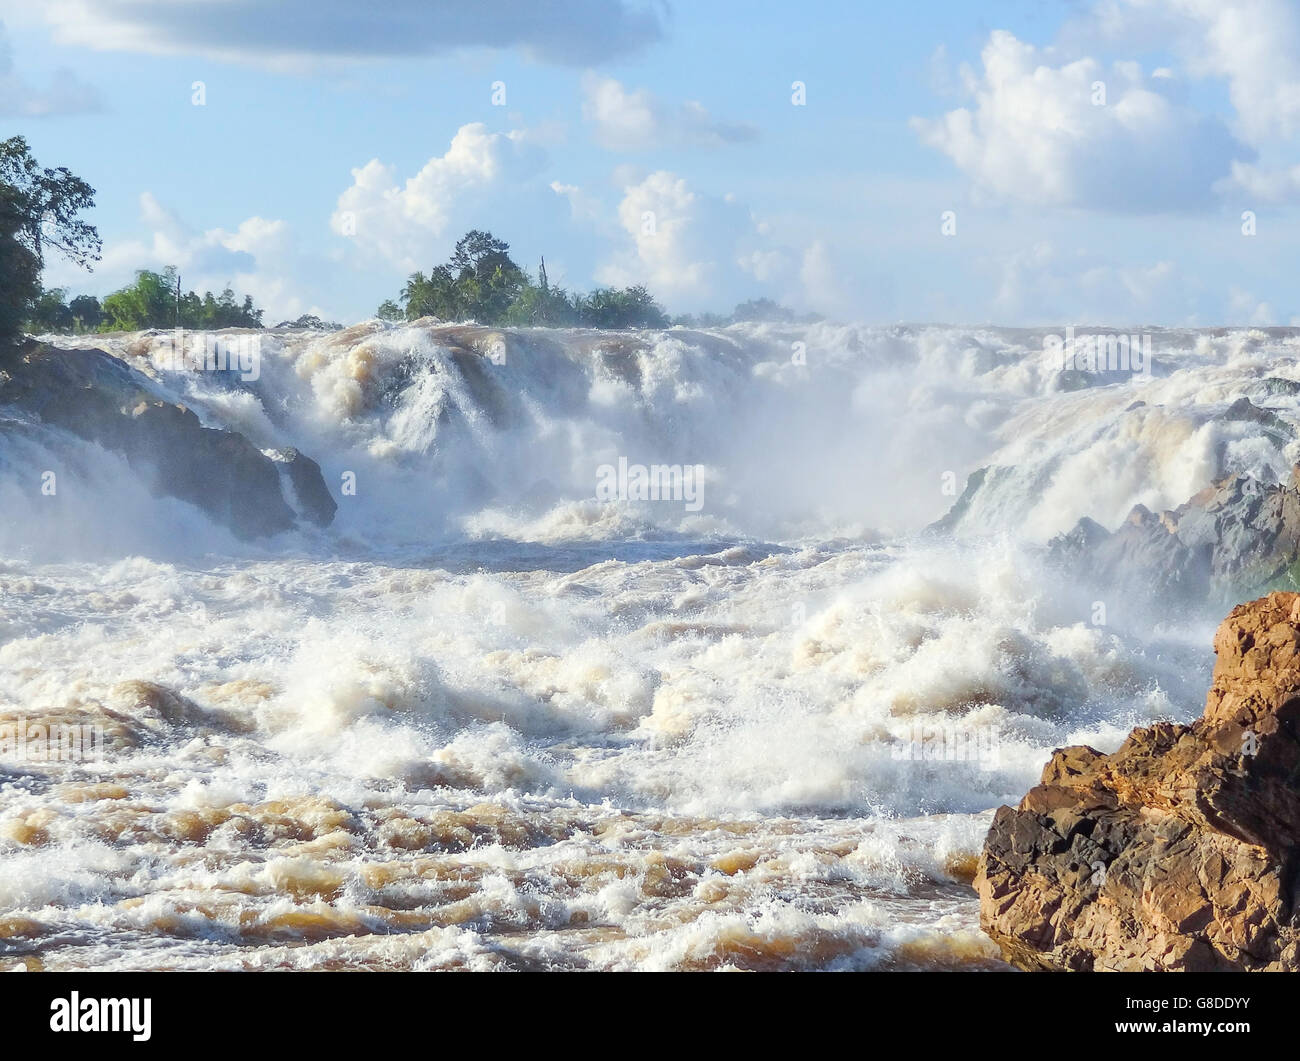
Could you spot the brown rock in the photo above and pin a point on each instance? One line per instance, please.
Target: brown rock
(1177, 852)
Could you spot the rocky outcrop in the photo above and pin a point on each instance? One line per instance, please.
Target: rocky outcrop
(103, 400)
(1179, 851)
(952, 519)
(308, 485)
(1236, 538)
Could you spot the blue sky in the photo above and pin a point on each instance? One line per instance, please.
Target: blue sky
(341, 145)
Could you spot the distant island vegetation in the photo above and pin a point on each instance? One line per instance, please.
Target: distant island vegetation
(40, 208)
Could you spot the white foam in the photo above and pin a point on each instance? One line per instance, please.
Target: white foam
(656, 687)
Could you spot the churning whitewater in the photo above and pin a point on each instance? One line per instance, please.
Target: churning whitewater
(629, 650)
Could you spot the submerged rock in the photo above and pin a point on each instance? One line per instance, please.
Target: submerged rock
(150, 705)
(314, 498)
(1180, 850)
(101, 399)
(952, 519)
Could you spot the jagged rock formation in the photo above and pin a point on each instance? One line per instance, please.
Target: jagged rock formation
(308, 485)
(1236, 538)
(102, 399)
(1180, 850)
(953, 517)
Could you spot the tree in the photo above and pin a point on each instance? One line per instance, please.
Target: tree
(480, 254)
(436, 295)
(702, 320)
(487, 280)
(310, 320)
(762, 309)
(38, 209)
(225, 311)
(540, 305)
(86, 312)
(481, 282)
(151, 302)
(51, 200)
(390, 311)
(49, 312)
(148, 303)
(631, 307)
(19, 270)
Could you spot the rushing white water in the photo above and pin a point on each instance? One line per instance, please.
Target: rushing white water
(487, 719)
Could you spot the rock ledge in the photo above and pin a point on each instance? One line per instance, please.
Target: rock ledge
(1180, 850)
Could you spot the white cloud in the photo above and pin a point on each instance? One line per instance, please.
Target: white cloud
(1036, 135)
(694, 250)
(637, 120)
(401, 222)
(1041, 284)
(254, 259)
(572, 32)
(583, 207)
(824, 276)
(19, 98)
(1262, 184)
(943, 81)
(172, 242)
(702, 252)
(1254, 45)
(1245, 308)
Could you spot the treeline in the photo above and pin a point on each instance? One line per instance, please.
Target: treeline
(482, 283)
(150, 302)
(40, 208)
(756, 310)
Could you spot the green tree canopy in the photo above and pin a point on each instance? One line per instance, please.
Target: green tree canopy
(51, 200)
(632, 307)
(39, 209)
(542, 306)
(310, 320)
(480, 255)
(86, 312)
(148, 303)
(762, 309)
(151, 302)
(481, 282)
(19, 270)
(49, 312)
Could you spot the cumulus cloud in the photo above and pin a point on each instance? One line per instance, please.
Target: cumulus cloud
(401, 221)
(1262, 184)
(695, 249)
(827, 282)
(254, 258)
(20, 98)
(570, 32)
(637, 120)
(172, 242)
(1253, 45)
(1035, 134)
(1043, 284)
(1245, 308)
(698, 251)
(584, 207)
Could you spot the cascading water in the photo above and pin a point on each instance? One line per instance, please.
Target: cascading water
(490, 718)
